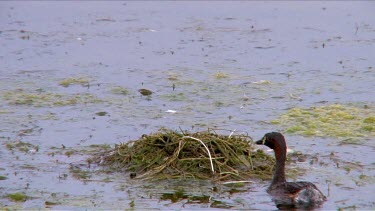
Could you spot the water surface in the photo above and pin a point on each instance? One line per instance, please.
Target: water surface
(232, 65)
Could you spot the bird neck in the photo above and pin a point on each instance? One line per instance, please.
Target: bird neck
(279, 175)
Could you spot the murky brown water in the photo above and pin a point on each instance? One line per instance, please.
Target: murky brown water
(234, 65)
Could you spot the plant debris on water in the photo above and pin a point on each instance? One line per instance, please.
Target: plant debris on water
(37, 99)
(120, 90)
(3, 177)
(145, 92)
(203, 155)
(72, 81)
(17, 197)
(21, 146)
(333, 120)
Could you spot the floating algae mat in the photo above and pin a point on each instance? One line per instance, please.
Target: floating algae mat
(41, 98)
(333, 120)
(201, 155)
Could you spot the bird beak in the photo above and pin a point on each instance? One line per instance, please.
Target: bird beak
(262, 141)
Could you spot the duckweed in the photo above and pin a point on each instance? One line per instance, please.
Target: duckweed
(333, 120)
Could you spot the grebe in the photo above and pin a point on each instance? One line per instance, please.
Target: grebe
(288, 194)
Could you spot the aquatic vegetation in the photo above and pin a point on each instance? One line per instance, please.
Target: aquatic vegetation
(333, 120)
(180, 194)
(74, 81)
(21, 146)
(352, 207)
(218, 104)
(145, 92)
(6, 111)
(23, 97)
(220, 204)
(364, 179)
(119, 90)
(175, 97)
(174, 197)
(69, 153)
(96, 147)
(369, 119)
(203, 155)
(220, 75)
(131, 204)
(101, 113)
(50, 203)
(17, 197)
(353, 141)
(172, 76)
(3, 177)
(79, 173)
(83, 150)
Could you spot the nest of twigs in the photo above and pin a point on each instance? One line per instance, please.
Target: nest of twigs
(203, 155)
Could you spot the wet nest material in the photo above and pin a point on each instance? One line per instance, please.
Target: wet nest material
(202, 155)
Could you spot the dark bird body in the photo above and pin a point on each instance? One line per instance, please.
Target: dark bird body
(289, 194)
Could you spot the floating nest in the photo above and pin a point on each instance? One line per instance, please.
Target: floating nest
(203, 155)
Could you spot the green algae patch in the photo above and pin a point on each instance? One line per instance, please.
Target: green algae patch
(339, 121)
(79, 173)
(41, 99)
(21, 146)
(370, 120)
(81, 151)
(220, 75)
(201, 155)
(175, 97)
(74, 81)
(6, 112)
(119, 90)
(174, 197)
(18, 197)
